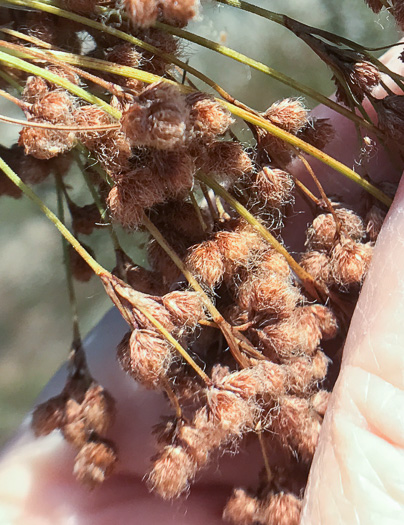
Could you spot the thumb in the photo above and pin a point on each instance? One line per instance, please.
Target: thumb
(357, 473)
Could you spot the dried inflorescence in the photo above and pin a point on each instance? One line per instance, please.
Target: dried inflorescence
(83, 414)
(254, 334)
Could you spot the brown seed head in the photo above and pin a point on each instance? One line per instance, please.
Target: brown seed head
(46, 143)
(274, 187)
(390, 113)
(227, 159)
(186, 308)
(142, 12)
(398, 12)
(147, 357)
(55, 106)
(375, 5)
(98, 409)
(319, 401)
(74, 429)
(281, 509)
(374, 222)
(205, 261)
(327, 322)
(288, 114)
(241, 508)
(322, 233)
(172, 472)
(83, 7)
(94, 463)
(35, 88)
(297, 425)
(270, 294)
(179, 12)
(48, 416)
(158, 118)
(318, 132)
(208, 118)
(350, 261)
(318, 265)
(234, 249)
(233, 414)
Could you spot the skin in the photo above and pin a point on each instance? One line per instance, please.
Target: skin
(357, 473)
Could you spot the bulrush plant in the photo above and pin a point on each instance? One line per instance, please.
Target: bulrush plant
(240, 336)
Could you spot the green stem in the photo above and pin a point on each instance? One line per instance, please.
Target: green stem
(259, 66)
(18, 63)
(310, 150)
(307, 280)
(170, 59)
(66, 260)
(216, 315)
(97, 268)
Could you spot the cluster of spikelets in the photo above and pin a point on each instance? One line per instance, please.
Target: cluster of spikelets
(83, 412)
(167, 137)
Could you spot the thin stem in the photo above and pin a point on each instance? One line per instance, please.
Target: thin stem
(18, 63)
(60, 127)
(198, 211)
(170, 59)
(313, 288)
(66, 260)
(35, 53)
(243, 59)
(97, 268)
(216, 315)
(310, 150)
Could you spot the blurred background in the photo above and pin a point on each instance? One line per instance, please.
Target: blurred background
(35, 321)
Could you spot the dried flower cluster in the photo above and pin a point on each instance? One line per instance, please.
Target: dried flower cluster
(83, 412)
(260, 331)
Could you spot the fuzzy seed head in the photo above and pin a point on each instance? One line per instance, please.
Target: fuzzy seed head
(48, 416)
(172, 473)
(390, 113)
(322, 233)
(282, 509)
(350, 261)
(233, 414)
(274, 187)
(186, 308)
(319, 401)
(94, 463)
(270, 294)
(46, 143)
(298, 426)
(227, 160)
(241, 508)
(205, 261)
(55, 106)
(374, 222)
(147, 357)
(35, 88)
(234, 249)
(272, 261)
(317, 132)
(208, 118)
(179, 12)
(318, 265)
(98, 409)
(143, 13)
(327, 322)
(288, 114)
(158, 118)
